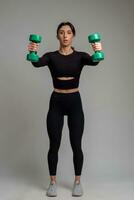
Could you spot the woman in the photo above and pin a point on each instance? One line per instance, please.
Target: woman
(65, 67)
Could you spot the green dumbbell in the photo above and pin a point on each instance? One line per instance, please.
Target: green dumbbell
(98, 55)
(32, 56)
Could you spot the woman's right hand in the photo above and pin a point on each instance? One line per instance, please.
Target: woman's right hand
(32, 46)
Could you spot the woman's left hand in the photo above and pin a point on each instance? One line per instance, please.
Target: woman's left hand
(97, 46)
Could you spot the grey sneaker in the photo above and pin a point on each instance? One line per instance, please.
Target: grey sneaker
(52, 190)
(77, 189)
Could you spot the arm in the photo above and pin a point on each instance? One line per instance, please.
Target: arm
(43, 61)
(87, 59)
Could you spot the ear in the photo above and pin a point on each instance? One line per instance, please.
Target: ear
(57, 36)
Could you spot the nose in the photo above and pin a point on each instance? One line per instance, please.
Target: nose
(65, 35)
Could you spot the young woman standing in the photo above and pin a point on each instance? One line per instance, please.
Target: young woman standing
(65, 65)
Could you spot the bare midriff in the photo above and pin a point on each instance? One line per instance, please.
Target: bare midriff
(66, 90)
(65, 78)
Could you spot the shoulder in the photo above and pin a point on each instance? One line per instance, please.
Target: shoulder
(82, 53)
(49, 54)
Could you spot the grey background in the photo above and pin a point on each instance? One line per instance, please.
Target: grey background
(106, 90)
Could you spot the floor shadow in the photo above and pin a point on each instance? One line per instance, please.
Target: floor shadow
(66, 185)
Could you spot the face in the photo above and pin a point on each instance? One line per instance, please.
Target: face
(65, 36)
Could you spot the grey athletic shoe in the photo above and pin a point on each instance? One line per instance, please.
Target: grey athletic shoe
(77, 189)
(52, 190)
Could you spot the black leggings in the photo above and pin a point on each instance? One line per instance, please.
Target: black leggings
(61, 104)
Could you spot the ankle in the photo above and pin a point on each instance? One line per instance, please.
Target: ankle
(53, 179)
(77, 179)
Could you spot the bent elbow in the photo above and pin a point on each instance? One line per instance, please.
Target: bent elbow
(95, 63)
(35, 64)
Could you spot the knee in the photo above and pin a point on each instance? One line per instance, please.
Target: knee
(77, 150)
(54, 148)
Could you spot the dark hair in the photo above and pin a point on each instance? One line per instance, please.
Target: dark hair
(69, 24)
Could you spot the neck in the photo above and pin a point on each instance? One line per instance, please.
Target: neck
(66, 50)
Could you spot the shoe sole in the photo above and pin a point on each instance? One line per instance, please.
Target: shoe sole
(74, 195)
(51, 195)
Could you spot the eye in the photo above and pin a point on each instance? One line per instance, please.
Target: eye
(61, 32)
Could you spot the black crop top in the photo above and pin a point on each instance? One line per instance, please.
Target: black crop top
(65, 66)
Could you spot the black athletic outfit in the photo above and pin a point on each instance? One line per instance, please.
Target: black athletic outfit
(61, 104)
